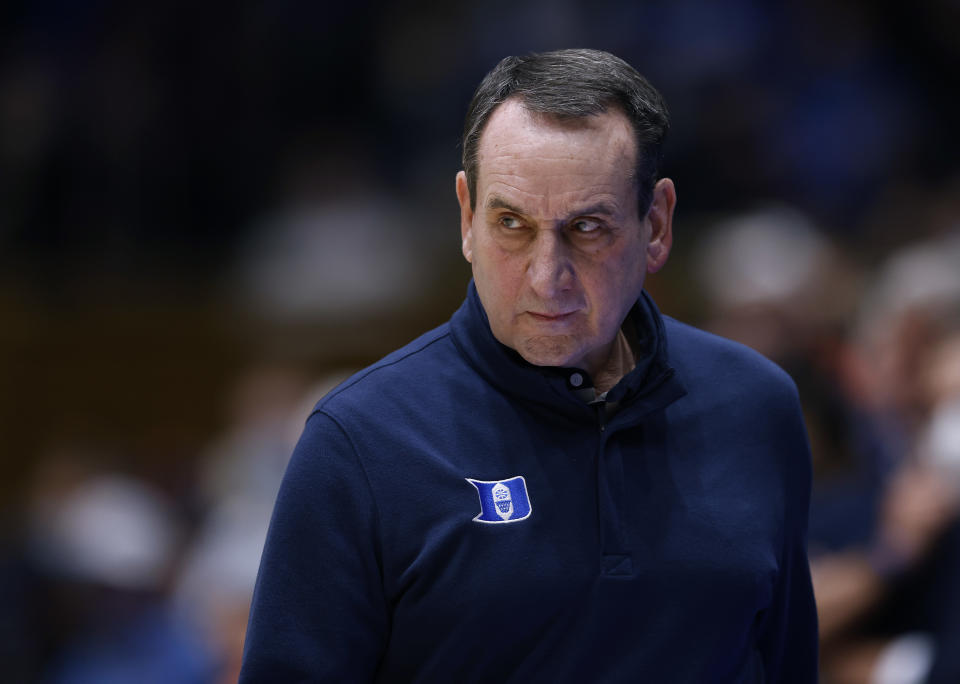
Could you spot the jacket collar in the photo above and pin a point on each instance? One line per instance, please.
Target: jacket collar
(651, 385)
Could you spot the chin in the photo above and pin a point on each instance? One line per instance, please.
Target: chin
(550, 351)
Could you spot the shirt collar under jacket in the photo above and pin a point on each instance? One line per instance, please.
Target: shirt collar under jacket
(651, 385)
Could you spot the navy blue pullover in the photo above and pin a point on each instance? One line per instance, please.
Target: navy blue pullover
(657, 537)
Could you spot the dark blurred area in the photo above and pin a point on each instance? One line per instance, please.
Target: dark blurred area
(210, 214)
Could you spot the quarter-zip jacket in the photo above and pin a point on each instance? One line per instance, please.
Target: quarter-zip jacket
(662, 535)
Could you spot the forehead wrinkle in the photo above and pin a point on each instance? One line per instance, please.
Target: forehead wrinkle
(571, 139)
(515, 170)
(557, 207)
(551, 154)
(590, 192)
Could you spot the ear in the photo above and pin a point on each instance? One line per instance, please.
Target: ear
(660, 217)
(466, 216)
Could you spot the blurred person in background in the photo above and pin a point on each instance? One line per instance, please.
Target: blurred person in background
(239, 475)
(559, 483)
(106, 546)
(889, 595)
(879, 401)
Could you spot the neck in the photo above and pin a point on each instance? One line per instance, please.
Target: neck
(618, 362)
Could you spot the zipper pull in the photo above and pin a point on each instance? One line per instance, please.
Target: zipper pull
(600, 403)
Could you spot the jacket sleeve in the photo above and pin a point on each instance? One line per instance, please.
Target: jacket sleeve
(788, 639)
(318, 611)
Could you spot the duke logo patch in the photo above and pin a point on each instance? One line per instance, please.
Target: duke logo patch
(502, 501)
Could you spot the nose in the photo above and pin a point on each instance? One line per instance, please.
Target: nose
(549, 271)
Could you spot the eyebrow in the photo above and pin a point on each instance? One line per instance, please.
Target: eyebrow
(497, 202)
(601, 208)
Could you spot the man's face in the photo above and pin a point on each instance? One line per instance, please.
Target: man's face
(558, 250)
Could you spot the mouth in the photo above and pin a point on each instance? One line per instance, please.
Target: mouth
(550, 318)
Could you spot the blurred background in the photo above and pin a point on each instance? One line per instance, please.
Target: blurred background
(210, 214)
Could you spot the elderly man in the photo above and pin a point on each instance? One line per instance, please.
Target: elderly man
(559, 484)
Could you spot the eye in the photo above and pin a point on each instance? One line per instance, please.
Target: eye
(509, 222)
(586, 225)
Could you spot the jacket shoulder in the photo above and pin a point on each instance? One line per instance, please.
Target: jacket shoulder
(409, 370)
(702, 357)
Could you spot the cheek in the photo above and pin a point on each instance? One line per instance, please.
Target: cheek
(497, 283)
(616, 286)
(500, 269)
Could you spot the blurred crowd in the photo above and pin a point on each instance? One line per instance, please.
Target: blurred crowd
(282, 174)
(113, 579)
(875, 351)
